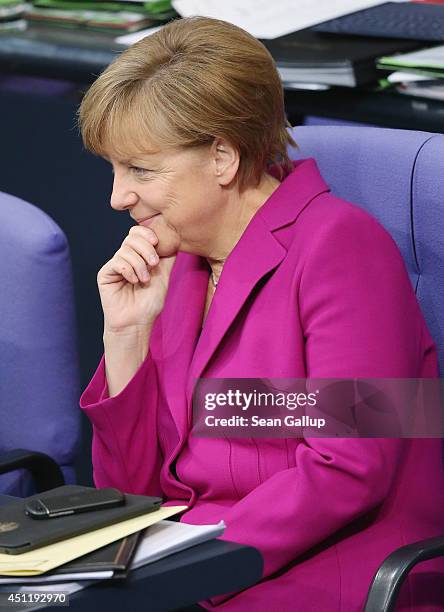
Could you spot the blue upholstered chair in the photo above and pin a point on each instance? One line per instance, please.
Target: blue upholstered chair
(39, 374)
(397, 176)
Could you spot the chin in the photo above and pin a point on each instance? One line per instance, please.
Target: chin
(166, 250)
(169, 242)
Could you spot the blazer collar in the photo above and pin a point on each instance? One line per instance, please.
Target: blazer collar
(256, 253)
(293, 194)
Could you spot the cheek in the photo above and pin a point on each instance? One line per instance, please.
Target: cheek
(201, 202)
(189, 202)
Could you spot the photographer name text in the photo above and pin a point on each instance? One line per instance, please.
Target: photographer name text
(257, 421)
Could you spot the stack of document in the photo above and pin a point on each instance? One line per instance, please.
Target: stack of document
(160, 540)
(74, 550)
(115, 16)
(46, 558)
(429, 62)
(12, 15)
(420, 73)
(310, 57)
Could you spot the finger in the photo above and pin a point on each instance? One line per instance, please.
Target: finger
(123, 269)
(143, 248)
(145, 232)
(138, 263)
(131, 265)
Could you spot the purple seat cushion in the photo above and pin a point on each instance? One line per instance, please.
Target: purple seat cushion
(39, 378)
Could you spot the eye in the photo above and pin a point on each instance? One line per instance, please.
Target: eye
(139, 172)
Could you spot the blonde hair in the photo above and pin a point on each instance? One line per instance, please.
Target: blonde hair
(193, 80)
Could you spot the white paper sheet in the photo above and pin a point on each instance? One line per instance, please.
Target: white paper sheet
(267, 19)
(44, 579)
(432, 57)
(168, 537)
(406, 77)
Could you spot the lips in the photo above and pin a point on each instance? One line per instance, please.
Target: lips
(146, 220)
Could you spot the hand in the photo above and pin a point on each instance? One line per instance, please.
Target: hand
(133, 287)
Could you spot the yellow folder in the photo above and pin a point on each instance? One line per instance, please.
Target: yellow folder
(46, 558)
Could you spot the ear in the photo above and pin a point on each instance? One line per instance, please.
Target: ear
(226, 160)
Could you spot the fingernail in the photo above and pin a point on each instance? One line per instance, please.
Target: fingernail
(152, 259)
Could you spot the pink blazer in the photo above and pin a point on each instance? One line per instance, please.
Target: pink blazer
(315, 288)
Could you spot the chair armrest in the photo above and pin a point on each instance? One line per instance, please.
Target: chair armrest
(388, 580)
(45, 471)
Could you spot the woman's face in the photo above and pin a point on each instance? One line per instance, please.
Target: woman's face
(181, 187)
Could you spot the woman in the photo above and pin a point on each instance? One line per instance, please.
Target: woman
(244, 265)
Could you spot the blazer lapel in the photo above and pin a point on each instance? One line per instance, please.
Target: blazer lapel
(256, 254)
(174, 335)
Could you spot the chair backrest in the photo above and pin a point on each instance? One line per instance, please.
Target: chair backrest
(39, 373)
(397, 176)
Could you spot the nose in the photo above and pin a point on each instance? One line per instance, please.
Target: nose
(122, 197)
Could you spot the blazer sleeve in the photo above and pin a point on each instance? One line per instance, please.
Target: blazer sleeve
(360, 318)
(125, 449)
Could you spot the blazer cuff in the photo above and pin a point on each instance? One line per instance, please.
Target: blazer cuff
(95, 398)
